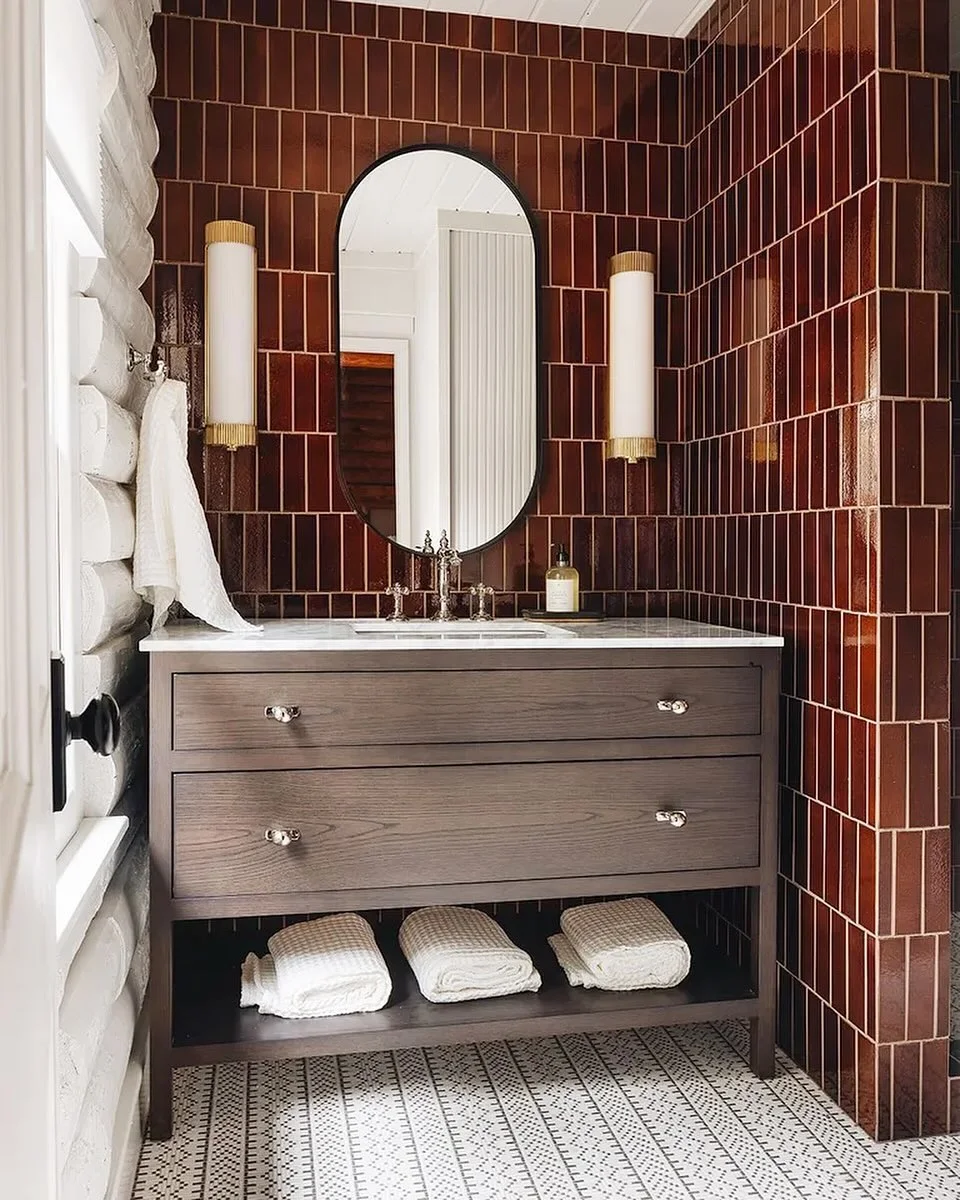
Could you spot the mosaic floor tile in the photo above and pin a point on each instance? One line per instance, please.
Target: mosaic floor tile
(659, 1114)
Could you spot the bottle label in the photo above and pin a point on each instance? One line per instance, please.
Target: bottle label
(560, 593)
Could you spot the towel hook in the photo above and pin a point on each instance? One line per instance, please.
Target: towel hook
(154, 368)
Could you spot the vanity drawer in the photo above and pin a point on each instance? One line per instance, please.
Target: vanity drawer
(385, 828)
(376, 708)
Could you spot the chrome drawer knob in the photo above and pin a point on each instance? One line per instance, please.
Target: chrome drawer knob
(673, 706)
(284, 713)
(675, 817)
(281, 837)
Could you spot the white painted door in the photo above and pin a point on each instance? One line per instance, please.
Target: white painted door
(27, 864)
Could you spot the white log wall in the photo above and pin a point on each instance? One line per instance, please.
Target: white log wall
(110, 314)
(99, 1151)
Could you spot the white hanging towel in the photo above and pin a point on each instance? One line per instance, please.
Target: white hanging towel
(620, 945)
(321, 968)
(462, 954)
(173, 558)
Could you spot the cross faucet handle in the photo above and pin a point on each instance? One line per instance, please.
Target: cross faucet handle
(397, 591)
(482, 591)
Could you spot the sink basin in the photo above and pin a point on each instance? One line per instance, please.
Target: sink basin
(507, 629)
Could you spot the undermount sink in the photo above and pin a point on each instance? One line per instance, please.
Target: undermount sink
(420, 629)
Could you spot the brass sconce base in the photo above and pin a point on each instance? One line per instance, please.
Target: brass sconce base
(231, 435)
(630, 448)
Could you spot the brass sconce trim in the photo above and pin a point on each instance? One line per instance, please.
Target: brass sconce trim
(630, 448)
(231, 434)
(633, 260)
(230, 231)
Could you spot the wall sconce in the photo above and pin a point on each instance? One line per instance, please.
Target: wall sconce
(631, 375)
(765, 448)
(230, 343)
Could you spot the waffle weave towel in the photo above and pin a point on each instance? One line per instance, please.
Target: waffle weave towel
(321, 968)
(173, 557)
(462, 954)
(620, 945)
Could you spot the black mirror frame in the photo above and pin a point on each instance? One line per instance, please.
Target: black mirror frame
(541, 396)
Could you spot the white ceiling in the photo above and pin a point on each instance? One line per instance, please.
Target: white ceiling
(394, 209)
(669, 18)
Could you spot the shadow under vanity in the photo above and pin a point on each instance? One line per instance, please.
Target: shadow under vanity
(376, 766)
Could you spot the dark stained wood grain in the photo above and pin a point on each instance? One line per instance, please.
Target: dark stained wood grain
(160, 995)
(763, 899)
(421, 754)
(383, 708)
(417, 895)
(385, 828)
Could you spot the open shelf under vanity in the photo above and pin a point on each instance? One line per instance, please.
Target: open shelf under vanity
(209, 1025)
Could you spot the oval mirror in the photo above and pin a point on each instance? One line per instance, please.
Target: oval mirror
(438, 357)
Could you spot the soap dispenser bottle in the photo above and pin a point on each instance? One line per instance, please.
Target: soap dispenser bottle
(563, 585)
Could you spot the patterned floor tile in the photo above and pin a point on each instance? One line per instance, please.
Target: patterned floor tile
(659, 1114)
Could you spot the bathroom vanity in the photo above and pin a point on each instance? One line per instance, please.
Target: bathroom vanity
(325, 766)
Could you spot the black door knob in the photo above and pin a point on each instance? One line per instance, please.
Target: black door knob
(98, 725)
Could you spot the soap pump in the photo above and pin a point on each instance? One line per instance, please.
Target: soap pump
(563, 584)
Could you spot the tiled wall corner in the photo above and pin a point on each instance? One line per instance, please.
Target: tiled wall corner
(817, 501)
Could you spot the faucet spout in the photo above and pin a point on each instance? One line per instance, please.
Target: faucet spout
(447, 559)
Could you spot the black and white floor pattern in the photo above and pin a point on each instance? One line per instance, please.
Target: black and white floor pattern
(660, 1114)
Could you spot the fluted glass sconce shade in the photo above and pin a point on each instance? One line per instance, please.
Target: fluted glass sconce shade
(230, 345)
(631, 432)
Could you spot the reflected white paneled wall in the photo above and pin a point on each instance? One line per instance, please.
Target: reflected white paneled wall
(492, 351)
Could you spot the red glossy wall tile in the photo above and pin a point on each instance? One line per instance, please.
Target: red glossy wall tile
(270, 119)
(955, 478)
(785, 166)
(816, 424)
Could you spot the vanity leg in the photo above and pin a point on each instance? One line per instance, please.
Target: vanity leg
(161, 925)
(161, 1034)
(763, 968)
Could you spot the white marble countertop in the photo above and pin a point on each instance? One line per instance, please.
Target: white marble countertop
(501, 634)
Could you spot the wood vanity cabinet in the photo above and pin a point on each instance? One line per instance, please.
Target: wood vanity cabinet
(416, 777)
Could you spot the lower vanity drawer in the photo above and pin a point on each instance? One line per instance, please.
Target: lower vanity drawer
(395, 827)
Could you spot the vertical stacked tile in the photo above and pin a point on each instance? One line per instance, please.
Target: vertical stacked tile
(955, 556)
(913, 655)
(267, 112)
(818, 499)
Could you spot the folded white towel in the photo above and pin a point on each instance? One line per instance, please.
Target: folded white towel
(173, 558)
(620, 945)
(576, 970)
(462, 954)
(321, 968)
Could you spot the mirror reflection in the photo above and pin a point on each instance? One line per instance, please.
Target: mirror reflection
(437, 418)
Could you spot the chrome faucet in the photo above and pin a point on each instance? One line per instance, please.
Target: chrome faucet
(446, 558)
